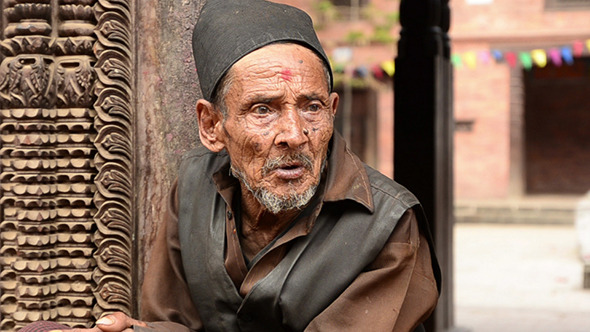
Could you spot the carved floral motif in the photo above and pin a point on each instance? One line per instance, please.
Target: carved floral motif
(65, 161)
(114, 143)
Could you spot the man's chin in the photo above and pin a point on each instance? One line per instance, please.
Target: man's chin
(276, 203)
(297, 196)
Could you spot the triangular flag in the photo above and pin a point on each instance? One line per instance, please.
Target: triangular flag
(484, 57)
(588, 44)
(525, 59)
(361, 71)
(497, 55)
(470, 59)
(456, 60)
(578, 48)
(539, 57)
(555, 56)
(388, 67)
(567, 55)
(377, 72)
(511, 59)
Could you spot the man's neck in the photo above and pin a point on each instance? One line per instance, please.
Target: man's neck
(259, 227)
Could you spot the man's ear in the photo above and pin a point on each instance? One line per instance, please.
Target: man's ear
(210, 121)
(334, 99)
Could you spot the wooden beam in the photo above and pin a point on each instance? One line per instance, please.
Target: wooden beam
(423, 132)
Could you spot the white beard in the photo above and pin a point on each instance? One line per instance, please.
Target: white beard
(276, 203)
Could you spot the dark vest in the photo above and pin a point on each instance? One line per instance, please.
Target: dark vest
(317, 268)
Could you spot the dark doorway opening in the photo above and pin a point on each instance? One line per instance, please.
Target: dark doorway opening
(356, 120)
(557, 128)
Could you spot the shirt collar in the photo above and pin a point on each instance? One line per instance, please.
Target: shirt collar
(347, 177)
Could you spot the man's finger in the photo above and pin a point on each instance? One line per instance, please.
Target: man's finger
(117, 322)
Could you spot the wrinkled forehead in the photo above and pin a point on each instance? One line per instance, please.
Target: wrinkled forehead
(287, 62)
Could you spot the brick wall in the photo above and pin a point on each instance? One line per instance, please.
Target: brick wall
(483, 163)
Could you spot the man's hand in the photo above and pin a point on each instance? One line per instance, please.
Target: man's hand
(117, 322)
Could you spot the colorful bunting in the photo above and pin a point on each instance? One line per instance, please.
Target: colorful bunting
(559, 55)
(567, 55)
(526, 60)
(377, 72)
(388, 67)
(361, 71)
(484, 57)
(456, 60)
(511, 59)
(555, 56)
(539, 57)
(498, 56)
(578, 48)
(470, 59)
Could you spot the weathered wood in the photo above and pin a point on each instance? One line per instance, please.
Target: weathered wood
(67, 161)
(423, 128)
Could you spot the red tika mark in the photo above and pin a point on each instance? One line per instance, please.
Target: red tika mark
(286, 75)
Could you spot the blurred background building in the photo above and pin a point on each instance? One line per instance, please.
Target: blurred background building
(522, 81)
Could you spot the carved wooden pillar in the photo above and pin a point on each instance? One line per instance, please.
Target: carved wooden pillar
(424, 129)
(66, 161)
(115, 157)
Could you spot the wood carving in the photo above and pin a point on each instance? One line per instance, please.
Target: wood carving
(66, 161)
(114, 144)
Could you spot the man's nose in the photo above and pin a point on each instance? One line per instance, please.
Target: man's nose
(292, 132)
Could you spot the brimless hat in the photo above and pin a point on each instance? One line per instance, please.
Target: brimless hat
(227, 30)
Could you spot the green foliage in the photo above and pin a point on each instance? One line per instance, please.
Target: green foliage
(382, 35)
(381, 22)
(323, 6)
(355, 37)
(327, 12)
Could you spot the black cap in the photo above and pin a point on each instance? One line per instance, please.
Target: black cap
(227, 30)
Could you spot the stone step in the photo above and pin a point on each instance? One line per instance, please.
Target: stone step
(527, 210)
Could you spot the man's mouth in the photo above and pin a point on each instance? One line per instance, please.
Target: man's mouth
(288, 167)
(290, 171)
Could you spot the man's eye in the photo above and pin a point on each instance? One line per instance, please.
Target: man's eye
(313, 108)
(262, 109)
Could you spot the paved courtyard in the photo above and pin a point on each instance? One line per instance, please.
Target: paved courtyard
(519, 278)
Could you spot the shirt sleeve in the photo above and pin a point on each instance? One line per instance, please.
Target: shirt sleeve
(165, 298)
(396, 292)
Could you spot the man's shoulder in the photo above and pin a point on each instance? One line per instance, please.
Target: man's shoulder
(200, 164)
(199, 153)
(387, 192)
(202, 157)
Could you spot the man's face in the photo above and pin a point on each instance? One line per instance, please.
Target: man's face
(278, 125)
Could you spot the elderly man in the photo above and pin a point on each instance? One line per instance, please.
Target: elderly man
(273, 224)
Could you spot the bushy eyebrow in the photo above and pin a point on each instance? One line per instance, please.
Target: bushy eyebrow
(315, 96)
(260, 98)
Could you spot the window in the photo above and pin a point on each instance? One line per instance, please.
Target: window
(350, 9)
(350, 3)
(567, 4)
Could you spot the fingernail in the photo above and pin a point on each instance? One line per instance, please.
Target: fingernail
(105, 321)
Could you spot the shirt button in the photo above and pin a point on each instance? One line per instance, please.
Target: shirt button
(229, 215)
